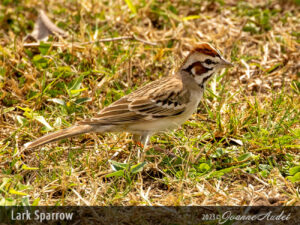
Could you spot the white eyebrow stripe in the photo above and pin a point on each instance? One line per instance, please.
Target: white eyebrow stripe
(198, 57)
(209, 66)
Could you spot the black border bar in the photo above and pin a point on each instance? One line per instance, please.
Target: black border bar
(158, 215)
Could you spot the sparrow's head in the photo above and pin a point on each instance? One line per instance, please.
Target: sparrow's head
(202, 62)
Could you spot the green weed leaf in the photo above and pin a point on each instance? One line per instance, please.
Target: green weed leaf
(119, 173)
(294, 170)
(244, 156)
(58, 101)
(138, 168)
(204, 167)
(118, 166)
(13, 191)
(25, 167)
(131, 6)
(295, 178)
(42, 120)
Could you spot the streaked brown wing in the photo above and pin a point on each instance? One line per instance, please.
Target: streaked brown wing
(159, 99)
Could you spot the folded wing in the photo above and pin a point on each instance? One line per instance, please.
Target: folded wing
(151, 102)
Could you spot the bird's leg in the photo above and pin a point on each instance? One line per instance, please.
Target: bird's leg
(141, 142)
(137, 143)
(144, 142)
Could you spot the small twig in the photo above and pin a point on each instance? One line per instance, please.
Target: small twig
(107, 40)
(82, 199)
(198, 156)
(235, 163)
(204, 119)
(57, 44)
(144, 41)
(129, 74)
(132, 37)
(87, 203)
(254, 177)
(37, 44)
(168, 153)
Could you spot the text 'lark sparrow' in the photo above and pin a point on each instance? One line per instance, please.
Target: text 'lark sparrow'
(160, 105)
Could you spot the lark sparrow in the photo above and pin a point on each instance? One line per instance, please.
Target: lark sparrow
(160, 105)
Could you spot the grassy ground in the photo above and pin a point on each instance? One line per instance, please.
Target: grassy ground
(240, 148)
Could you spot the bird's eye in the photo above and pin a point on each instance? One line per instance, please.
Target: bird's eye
(208, 61)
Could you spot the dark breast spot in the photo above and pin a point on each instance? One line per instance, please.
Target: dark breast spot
(205, 79)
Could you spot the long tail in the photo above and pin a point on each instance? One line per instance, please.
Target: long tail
(55, 136)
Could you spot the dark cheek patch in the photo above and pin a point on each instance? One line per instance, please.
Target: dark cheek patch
(198, 70)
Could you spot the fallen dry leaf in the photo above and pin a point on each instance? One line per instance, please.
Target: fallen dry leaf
(43, 28)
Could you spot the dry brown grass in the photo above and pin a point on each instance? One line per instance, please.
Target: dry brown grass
(266, 76)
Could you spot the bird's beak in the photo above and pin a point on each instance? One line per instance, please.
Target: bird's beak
(226, 64)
